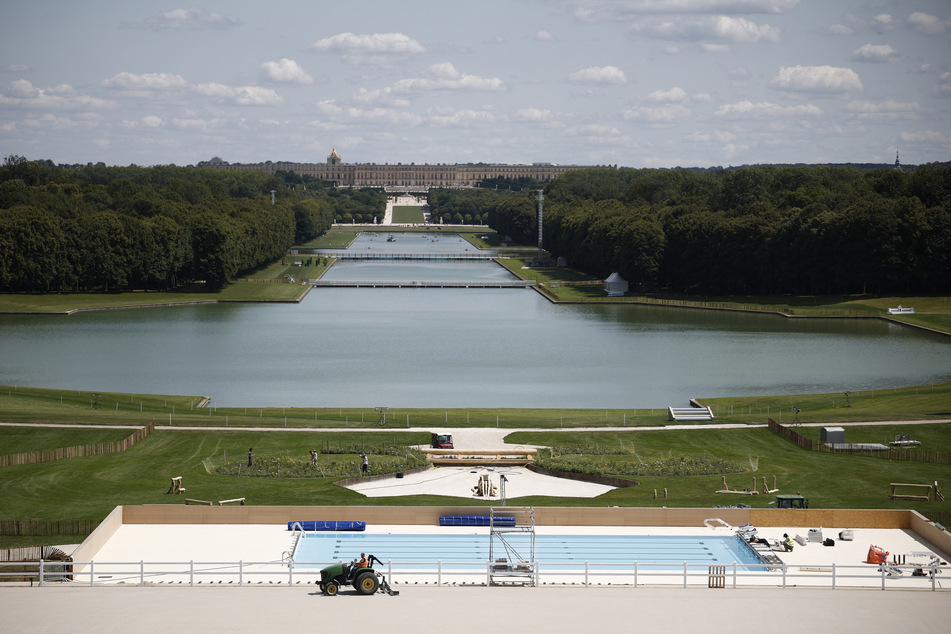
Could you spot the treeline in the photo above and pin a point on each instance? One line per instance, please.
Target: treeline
(472, 206)
(762, 230)
(350, 205)
(100, 228)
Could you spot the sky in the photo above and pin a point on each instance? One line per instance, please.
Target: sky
(636, 83)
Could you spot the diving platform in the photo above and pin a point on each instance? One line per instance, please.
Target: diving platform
(423, 284)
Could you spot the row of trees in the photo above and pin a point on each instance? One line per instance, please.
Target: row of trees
(767, 230)
(366, 204)
(461, 206)
(95, 227)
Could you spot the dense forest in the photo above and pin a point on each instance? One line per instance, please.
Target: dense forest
(760, 230)
(95, 227)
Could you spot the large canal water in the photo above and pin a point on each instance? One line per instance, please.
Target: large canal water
(435, 347)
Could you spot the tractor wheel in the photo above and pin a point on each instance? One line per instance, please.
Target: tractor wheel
(331, 589)
(366, 583)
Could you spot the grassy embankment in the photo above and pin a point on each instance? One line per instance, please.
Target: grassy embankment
(265, 284)
(569, 285)
(87, 488)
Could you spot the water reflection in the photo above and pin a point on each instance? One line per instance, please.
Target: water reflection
(432, 347)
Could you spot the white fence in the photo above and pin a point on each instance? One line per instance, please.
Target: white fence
(634, 574)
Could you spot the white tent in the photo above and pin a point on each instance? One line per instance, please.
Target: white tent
(615, 285)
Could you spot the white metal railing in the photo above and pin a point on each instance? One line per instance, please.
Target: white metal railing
(477, 573)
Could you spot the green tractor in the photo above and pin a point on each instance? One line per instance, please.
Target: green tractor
(365, 580)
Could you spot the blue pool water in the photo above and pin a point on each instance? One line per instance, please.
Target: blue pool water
(549, 549)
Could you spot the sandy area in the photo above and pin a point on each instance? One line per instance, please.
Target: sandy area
(460, 482)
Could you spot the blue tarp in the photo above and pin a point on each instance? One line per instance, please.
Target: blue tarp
(474, 520)
(328, 525)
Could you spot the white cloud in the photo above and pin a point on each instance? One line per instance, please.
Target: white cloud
(674, 95)
(366, 43)
(817, 79)
(184, 20)
(445, 77)
(597, 130)
(883, 106)
(606, 75)
(146, 81)
(15, 68)
(701, 28)
(24, 89)
(62, 97)
(51, 122)
(619, 9)
(884, 111)
(884, 22)
(928, 24)
(765, 109)
(840, 29)
(286, 70)
(720, 136)
(535, 115)
(328, 107)
(241, 95)
(441, 77)
(150, 121)
(943, 86)
(875, 53)
(462, 118)
(197, 124)
(544, 36)
(668, 113)
(926, 136)
(383, 115)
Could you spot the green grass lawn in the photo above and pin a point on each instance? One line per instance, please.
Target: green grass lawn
(83, 488)
(26, 439)
(408, 214)
(828, 480)
(26, 404)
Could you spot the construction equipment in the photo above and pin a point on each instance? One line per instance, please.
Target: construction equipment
(441, 441)
(364, 580)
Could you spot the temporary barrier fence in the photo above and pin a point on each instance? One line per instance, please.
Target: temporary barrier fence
(632, 574)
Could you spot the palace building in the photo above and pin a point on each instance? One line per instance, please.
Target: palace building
(402, 175)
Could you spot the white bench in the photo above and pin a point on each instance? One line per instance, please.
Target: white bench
(901, 311)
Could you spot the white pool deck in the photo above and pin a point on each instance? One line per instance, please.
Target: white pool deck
(208, 554)
(269, 603)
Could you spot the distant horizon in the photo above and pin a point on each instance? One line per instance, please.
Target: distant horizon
(676, 167)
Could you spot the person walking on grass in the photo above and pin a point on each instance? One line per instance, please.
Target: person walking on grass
(250, 456)
(365, 469)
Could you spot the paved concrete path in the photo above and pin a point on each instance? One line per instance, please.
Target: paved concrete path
(476, 437)
(462, 610)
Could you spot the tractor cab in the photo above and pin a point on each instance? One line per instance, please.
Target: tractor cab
(441, 441)
(790, 501)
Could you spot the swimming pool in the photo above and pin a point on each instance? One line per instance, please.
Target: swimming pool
(454, 549)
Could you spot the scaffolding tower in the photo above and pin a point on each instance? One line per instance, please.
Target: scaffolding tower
(512, 545)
